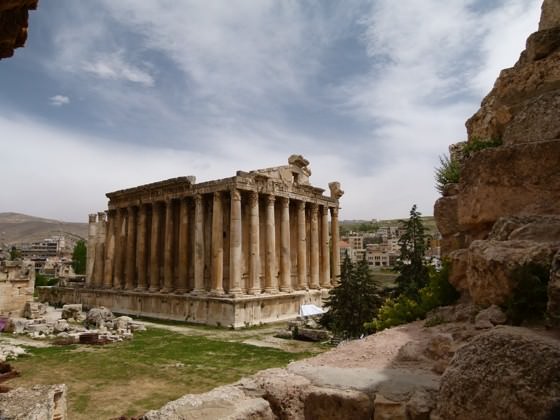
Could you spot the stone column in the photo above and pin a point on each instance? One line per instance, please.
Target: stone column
(325, 252)
(285, 268)
(198, 244)
(141, 248)
(109, 251)
(301, 247)
(182, 285)
(235, 243)
(314, 269)
(119, 250)
(271, 282)
(217, 245)
(154, 248)
(335, 246)
(130, 273)
(168, 249)
(90, 255)
(98, 264)
(254, 247)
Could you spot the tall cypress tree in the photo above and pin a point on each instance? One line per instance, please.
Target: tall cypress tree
(79, 257)
(411, 265)
(354, 301)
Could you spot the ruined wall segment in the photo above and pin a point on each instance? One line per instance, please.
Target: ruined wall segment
(517, 182)
(17, 282)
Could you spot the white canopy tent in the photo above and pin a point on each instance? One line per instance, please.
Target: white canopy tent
(310, 310)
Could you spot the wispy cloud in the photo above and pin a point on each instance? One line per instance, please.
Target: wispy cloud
(114, 67)
(370, 93)
(59, 100)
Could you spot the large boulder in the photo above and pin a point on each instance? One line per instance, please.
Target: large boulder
(550, 14)
(97, 317)
(72, 311)
(519, 180)
(491, 264)
(505, 373)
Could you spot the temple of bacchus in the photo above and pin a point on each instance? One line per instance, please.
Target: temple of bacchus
(237, 251)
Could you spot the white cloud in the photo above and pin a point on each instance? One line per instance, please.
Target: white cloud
(59, 100)
(237, 66)
(113, 66)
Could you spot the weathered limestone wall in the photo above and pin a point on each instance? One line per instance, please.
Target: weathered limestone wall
(516, 184)
(13, 24)
(17, 281)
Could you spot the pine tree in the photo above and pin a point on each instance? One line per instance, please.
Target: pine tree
(411, 265)
(354, 301)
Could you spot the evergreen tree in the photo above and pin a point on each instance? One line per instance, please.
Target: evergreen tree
(354, 301)
(411, 266)
(79, 257)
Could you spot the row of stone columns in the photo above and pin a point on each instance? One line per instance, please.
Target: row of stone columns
(125, 263)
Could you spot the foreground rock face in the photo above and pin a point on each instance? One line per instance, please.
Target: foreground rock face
(505, 373)
(13, 24)
(504, 211)
(41, 402)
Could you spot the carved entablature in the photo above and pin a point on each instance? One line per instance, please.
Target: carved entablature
(290, 181)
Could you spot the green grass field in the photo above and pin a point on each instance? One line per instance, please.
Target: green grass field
(132, 377)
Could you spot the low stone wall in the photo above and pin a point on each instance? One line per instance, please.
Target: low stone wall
(237, 312)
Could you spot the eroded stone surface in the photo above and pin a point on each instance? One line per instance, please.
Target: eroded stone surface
(491, 264)
(40, 402)
(521, 372)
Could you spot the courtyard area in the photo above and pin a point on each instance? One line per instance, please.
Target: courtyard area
(156, 366)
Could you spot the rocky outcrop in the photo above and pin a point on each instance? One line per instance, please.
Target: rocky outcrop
(13, 24)
(504, 211)
(505, 373)
(492, 263)
(303, 391)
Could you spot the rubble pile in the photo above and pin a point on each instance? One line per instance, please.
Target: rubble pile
(69, 325)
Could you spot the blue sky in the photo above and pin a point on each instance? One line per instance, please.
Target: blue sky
(112, 94)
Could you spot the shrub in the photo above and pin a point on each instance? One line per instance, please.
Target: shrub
(475, 145)
(529, 296)
(448, 172)
(438, 292)
(42, 280)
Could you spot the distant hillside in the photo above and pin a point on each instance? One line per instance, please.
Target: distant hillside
(18, 228)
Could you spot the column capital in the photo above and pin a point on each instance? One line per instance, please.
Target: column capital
(270, 199)
(198, 199)
(285, 202)
(235, 194)
(101, 216)
(217, 194)
(334, 211)
(301, 205)
(325, 210)
(253, 198)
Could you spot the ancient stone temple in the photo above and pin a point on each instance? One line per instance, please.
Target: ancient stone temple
(237, 251)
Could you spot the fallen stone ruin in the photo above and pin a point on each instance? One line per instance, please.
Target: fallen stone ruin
(72, 325)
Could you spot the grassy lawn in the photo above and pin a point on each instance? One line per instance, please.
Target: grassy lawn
(132, 377)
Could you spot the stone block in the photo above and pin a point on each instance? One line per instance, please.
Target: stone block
(521, 371)
(491, 264)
